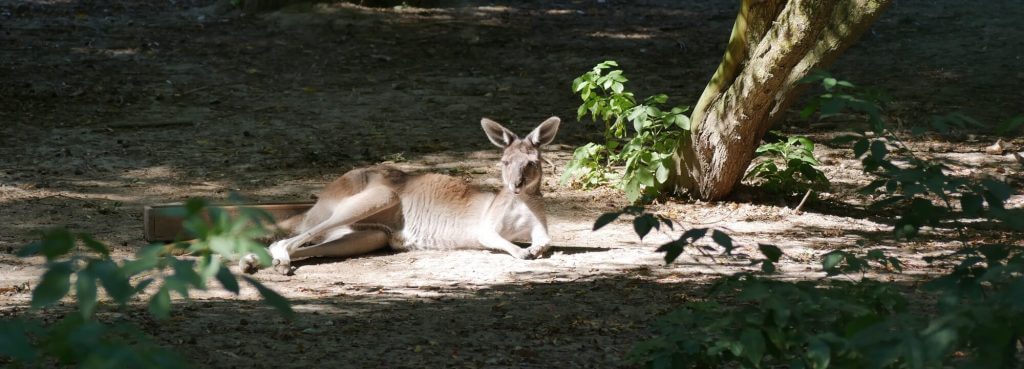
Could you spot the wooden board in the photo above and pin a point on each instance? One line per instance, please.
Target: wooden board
(160, 226)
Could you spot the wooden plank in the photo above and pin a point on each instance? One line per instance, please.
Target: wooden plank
(162, 226)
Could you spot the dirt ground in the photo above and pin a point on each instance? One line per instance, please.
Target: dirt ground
(106, 106)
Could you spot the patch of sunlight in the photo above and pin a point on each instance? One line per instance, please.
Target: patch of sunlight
(562, 12)
(622, 36)
(17, 193)
(150, 173)
(105, 52)
(495, 9)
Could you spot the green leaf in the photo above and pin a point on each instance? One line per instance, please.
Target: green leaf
(753, 346)
(1010, 126)
(809, 110)
(831, 107)
(94, 245)
(829, 82)
(683, 122)
(661, 175)
(644, 177)
(617, 87)
(148, 257)
(632, 190)
(184, 269)
(55, 243)
(14, 342)
(114, 281)
(272, 298)
(818, 353)
(54, 285)
(831, 260)
(771, 252)
(85, 293)
(813, 77)
(160, 303)
(605, 219)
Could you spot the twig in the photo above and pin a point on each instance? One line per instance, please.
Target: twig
(801, 205)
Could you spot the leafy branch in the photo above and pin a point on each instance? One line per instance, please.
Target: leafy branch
(80, 339)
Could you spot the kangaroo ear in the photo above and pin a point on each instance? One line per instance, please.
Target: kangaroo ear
(499, 135)
(545, 132)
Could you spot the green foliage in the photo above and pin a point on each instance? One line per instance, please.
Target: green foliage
(640, 137)
(769, 323)
(798, 172)
(1011, 126)
(80, 339)
(920, 188)
(972, 317)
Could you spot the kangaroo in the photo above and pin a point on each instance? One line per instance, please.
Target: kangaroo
(376, 207)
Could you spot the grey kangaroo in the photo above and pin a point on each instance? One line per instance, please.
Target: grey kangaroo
(372, 208)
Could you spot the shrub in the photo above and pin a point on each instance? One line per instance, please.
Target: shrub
(640, 137)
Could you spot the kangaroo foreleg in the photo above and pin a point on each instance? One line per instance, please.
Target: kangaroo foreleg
(494, 241)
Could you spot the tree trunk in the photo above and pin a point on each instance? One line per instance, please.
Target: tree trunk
(774, 44)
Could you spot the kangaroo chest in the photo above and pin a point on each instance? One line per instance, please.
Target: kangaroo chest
(437, 225)
(516, 222)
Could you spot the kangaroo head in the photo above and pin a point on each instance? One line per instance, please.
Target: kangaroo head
(521, 162)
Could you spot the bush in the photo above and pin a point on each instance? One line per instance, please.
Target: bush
(644, 147)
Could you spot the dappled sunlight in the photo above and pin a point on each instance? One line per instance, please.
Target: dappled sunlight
(622, 36)
(106, 52)
(588, 322)
(110, 106)
(563, 12)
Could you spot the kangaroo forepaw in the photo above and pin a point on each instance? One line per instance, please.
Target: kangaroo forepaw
(537, 252)
(519, 253)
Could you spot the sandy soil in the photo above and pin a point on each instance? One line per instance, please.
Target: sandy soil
(109, 105)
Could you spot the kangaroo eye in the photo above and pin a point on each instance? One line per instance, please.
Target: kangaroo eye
(504, 162)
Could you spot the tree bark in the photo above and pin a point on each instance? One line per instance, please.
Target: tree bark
(774, 44)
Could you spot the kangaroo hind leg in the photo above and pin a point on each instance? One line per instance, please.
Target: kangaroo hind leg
(359, 206)
(361, 239)
(358, 195)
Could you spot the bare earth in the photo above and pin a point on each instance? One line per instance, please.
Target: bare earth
(106, 106)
